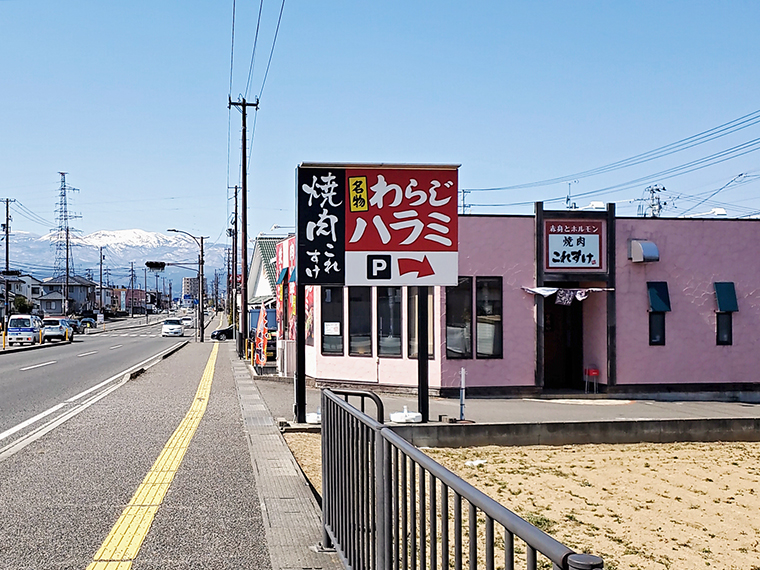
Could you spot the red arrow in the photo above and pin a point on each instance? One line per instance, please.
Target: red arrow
(422, 268)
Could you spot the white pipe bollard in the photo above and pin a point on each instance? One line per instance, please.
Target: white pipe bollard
(462, 375)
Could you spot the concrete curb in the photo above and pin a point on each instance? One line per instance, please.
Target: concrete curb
(569, 433)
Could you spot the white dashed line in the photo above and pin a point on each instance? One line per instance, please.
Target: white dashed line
(117, 346)
(87, 353)
(39, 365)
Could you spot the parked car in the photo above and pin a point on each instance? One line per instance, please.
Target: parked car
(172, 327)
(75, 324)
(56, 328)
(23, 328)
(223, 334)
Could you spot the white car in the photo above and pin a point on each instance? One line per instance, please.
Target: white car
(188, 322)
(24, 328)
(172, 327)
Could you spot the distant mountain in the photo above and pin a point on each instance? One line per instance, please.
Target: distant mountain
(35, 255)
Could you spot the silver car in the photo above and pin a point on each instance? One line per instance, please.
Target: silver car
(56, 328)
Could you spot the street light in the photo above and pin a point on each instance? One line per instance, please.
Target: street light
(201, 301)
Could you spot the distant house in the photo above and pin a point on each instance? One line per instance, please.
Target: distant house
(51, 303)
(32, 290)
(13, 285)
(81, 290)
(262, 276)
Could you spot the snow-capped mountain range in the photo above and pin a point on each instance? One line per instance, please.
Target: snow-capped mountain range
(35, 255)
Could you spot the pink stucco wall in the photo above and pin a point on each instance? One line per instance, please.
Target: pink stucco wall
(492, 246)
(595, 331)
(693, 255)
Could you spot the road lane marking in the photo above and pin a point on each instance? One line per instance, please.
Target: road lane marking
(122, 544)
(34, 435)
(117, 346)
(39, 365)
(87, 353)
(30, 421)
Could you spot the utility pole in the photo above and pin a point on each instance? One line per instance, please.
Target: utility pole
(66, 282)
(132, 290)
(201, 325)
(101, 284)
(145, 293)
(235, 320)
(171, 301)
(7, 228)
(244, 223)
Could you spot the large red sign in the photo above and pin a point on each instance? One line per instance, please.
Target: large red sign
(401, 210)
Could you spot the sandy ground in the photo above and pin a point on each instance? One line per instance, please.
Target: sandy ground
(658, 506)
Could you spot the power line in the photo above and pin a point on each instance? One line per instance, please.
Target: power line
(271, 52)
(680, 170)
(726, 185)
(700, 138)
(253, 52)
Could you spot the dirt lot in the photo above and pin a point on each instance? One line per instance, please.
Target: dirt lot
(643, 506)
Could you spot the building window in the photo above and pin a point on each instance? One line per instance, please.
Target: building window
(725, 295)
(389, 321)
(332, 320)
(360, 321)
(724, 335)
(459, 319)
(659, 304)
(411, 302)
(488, 309)
(656, 329)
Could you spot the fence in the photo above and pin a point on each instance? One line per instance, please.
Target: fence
(388, 506)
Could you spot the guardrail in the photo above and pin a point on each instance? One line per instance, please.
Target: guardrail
(388, 506)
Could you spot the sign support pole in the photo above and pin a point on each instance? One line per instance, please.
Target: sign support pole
(423, 399)
(299, 382)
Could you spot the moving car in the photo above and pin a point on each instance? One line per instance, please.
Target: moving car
(223, 334)
(88, 323)
(23, 328)
(188, 322)
(57, 328)
(172, 327)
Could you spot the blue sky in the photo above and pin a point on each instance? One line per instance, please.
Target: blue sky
(131, 100)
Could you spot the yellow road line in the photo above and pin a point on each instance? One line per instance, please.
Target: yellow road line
(120, 548)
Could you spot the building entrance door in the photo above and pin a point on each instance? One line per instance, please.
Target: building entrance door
(563, 345)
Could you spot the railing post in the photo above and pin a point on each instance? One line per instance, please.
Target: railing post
(326, 476)
(584, 562)
(383, 501)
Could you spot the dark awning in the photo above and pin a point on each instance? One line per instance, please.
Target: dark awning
(282, 275)
(659, 299)
(293, 275)
(725, 294)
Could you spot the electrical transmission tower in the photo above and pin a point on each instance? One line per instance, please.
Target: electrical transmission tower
(64, 264)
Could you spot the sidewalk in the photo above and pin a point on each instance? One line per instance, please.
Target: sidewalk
(278, 394)
(292, 517)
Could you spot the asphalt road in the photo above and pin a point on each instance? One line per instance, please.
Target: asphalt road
(41, 384)
(62, 494)
(33, 381)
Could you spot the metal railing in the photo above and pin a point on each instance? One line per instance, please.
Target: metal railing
(388, 506)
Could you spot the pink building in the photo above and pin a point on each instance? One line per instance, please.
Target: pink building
(652, 304)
